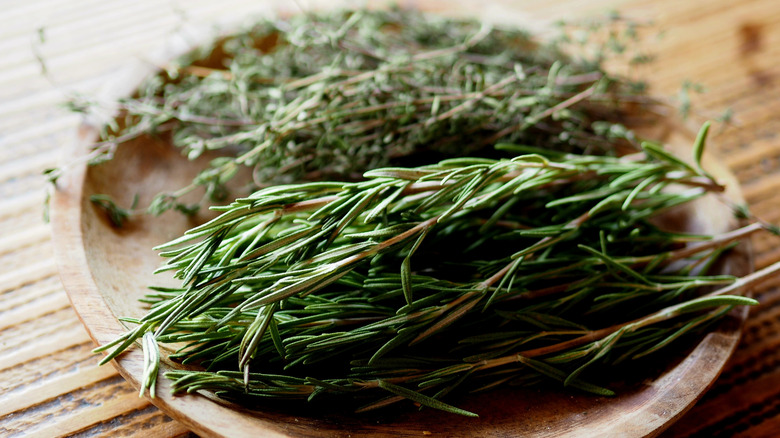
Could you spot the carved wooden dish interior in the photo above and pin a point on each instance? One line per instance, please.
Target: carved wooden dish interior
(106, 270)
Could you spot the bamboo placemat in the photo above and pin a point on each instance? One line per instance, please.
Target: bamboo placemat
(50, 384)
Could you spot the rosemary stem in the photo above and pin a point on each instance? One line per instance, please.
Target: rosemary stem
(659, 316)
(747, 281)
(717, 241)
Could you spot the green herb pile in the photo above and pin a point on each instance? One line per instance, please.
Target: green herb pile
(520, 248)
(329, 97)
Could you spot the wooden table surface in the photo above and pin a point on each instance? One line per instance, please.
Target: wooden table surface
(50, 384)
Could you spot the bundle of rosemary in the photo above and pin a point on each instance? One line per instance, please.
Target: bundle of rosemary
(539, 258)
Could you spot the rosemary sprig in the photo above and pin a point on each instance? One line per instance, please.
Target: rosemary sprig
(418, 281)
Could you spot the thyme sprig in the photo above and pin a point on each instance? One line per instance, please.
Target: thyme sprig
(465, 274)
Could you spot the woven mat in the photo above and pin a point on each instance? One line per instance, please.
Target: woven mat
(50, 384)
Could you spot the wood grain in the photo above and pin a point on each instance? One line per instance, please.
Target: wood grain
(32, 127)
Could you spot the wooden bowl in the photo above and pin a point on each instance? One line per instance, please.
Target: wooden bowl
(106, 270)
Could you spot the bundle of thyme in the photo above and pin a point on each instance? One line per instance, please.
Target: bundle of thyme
(331, 96)
(537, 258)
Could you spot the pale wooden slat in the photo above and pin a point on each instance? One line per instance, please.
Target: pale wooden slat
(770, 254)
(730, 92)
(127, 20)
(146, 29)
(671, 12)
(17, 205)
(50, 389)
(43, 100)
(63, 339)
(65, 426)
(21, 296)
(725, 33)
(25, 237)
(710, 73)
(22, 136)
(33, 272)
(23, 17)
(752, 102)
(766, 185)
(757, 151)
(722, 32)
(114, 20)
(34, 310)
(151, 421)
(171, 429)
(28, 165)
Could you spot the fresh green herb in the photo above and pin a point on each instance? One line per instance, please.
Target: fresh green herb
(117, 215)
(537, 259)
(395, 284)
(331, 96)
